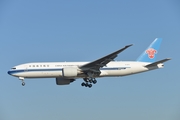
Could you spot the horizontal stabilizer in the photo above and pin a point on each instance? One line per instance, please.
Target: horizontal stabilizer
(158, 62)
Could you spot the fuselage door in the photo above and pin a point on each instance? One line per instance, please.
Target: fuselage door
(26, 67)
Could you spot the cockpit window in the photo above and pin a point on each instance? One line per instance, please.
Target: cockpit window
(13, 68)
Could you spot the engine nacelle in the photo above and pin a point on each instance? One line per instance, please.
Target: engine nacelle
(69, 72)
(62, 81)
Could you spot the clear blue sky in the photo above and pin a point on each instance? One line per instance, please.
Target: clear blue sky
(79, 30)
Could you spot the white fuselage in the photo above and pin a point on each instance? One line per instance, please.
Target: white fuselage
(54, 69)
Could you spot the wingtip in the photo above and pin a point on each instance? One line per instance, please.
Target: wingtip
(128, 45)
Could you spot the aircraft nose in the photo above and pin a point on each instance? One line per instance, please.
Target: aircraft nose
(9, 72)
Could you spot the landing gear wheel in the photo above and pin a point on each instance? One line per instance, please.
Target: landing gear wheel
(23, 83)
(83, 84)
(86, 84)
(90, 85)
(85, 79)
(94, 81)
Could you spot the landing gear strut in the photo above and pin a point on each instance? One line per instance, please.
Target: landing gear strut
(22, 79)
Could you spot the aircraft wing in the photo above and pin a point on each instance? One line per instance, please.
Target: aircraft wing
(97, 64)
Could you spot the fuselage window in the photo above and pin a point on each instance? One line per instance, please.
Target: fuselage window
(29, 65)
(33, 65)
(40, 65)
(44, 65)
(37, 65)
(47, 65)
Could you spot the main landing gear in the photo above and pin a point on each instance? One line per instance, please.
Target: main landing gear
(88, 82)
(22, 79)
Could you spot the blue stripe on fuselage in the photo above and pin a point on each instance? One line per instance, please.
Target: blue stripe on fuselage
(32, 70)
(11, 72)
(113, 68)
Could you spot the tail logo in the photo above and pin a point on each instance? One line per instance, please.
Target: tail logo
(151, 53)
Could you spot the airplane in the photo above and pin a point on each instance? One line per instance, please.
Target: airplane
(67, 72)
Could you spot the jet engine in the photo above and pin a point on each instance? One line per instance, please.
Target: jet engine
(69, 72)
(62, 81)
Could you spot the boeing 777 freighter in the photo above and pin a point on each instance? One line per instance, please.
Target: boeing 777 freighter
(67, 72)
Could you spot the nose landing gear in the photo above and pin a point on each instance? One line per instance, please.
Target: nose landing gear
(22, 79)
(23, 83)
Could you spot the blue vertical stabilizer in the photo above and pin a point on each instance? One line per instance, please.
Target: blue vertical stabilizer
(149, 55)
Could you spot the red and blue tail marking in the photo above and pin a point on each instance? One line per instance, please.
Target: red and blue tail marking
(149, 55)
